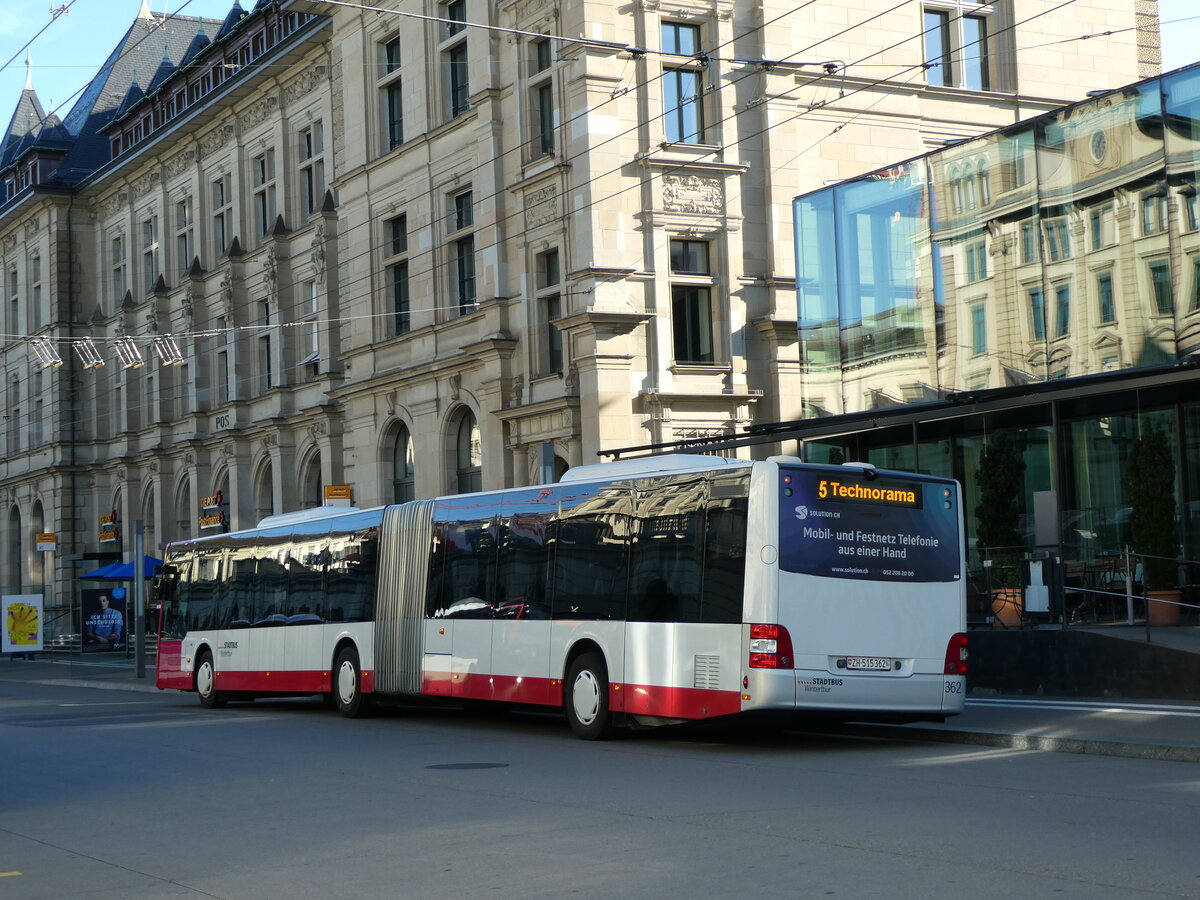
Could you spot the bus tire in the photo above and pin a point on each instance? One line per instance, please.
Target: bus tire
(347, 684)
(206, 683)
(585, 697)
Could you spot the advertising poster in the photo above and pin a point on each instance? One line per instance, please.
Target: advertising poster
(886, 529)
(23, 623)
(103, 618)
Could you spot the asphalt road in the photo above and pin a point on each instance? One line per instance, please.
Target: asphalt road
(131, 795)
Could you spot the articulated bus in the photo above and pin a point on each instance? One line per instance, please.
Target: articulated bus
(639, 592)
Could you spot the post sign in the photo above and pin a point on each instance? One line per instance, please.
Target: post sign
(212, 512)
(47, 540)
(337, 495)
(109, 532)
(23, 621)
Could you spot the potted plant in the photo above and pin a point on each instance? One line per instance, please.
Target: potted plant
(1151, 480)
(1001, 483)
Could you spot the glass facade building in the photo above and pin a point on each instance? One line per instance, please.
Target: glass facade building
(1039, 284)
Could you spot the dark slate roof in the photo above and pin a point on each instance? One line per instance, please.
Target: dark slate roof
(165, 70)
(132, 96)
(236, 14)
(27, 119)
(144, 48)
(196, 47)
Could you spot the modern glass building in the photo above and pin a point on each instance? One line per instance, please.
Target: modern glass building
(1036, 288)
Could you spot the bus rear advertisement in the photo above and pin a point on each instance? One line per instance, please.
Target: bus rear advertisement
(648, 591)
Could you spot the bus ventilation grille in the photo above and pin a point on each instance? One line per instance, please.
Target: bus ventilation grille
(708, 673)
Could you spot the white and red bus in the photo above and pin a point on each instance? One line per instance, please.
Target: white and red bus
(647, 591)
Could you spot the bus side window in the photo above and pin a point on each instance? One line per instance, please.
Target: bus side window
(668, 546)
(591, 558)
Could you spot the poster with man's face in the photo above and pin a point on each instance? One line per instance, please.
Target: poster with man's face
(102, 621)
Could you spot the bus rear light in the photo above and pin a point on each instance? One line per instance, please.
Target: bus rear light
(770, 647)
(956, 655)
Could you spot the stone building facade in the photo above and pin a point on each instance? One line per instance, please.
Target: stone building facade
(430, 247)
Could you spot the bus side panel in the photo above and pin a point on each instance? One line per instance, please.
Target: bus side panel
(471, 665)
(682, 671)
(521, 662)
(169, 674)
(608, 635)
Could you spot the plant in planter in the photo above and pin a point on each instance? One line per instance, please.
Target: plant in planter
(1001, 483)
(1151, 481)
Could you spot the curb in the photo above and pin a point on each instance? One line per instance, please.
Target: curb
(1170, 752)
(99, 685)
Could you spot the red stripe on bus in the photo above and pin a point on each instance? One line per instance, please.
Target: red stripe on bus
(679, 703)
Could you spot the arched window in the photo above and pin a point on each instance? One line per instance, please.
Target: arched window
(310, 484)
(468, 454)
(985, 184)
(37, 525)
(560, 468)
(183, 510)
(403, 488)
(149, 531)
(264, 492)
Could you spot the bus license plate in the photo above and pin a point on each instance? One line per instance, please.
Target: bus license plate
(867, 662)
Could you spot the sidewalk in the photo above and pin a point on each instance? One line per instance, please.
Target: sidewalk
(1139, 730)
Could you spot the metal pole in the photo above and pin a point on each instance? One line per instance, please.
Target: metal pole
(139, 597)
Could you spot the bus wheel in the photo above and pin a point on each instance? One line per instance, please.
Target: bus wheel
(347, 684)
(585, 697)
(206, 683)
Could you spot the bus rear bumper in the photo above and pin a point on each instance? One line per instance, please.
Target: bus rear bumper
(857, 695)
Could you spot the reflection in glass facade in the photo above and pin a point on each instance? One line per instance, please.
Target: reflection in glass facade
(1063, 246)
(1038, 287)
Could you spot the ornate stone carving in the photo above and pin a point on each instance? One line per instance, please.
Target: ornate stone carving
(303, 84)
(318, 250)
(530, 8)
(316, 429)
(152, 322)
(571, 381)
(114, 204)
(516, 390)
(227, 293)
(692, 193)
(32, 227)
(270, 440)
(188, 305)
(541, 206)
(455, 384)
(259, 111)
(215, 140)
(10, 243)
(179, 163)
(270, 273)
(152, 467)
(148, 183)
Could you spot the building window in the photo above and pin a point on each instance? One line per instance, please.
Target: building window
(541, 99)
(1191, 208)
(468, 454)
(1154, 212)
(683, 85)
(403, 467)
(1106, 307)
(310, 331)
(978, 329)
(1037, 313)
(184, 238)
(691, 302)
(549, 310)
(150, 269)
(976, 259)
(15, 325)
(222, 217)
(454, 55)
(397, 269)
(37, 316)
(1103, 226)
(1160, 284)
(958, 46)
(462, 251)
(1029, 242)
(222, 364)
(265, 367)
(1058, 238)
(1062, 310)
(312, 168)
(390, 89)
(263, 170)
(117, 262)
